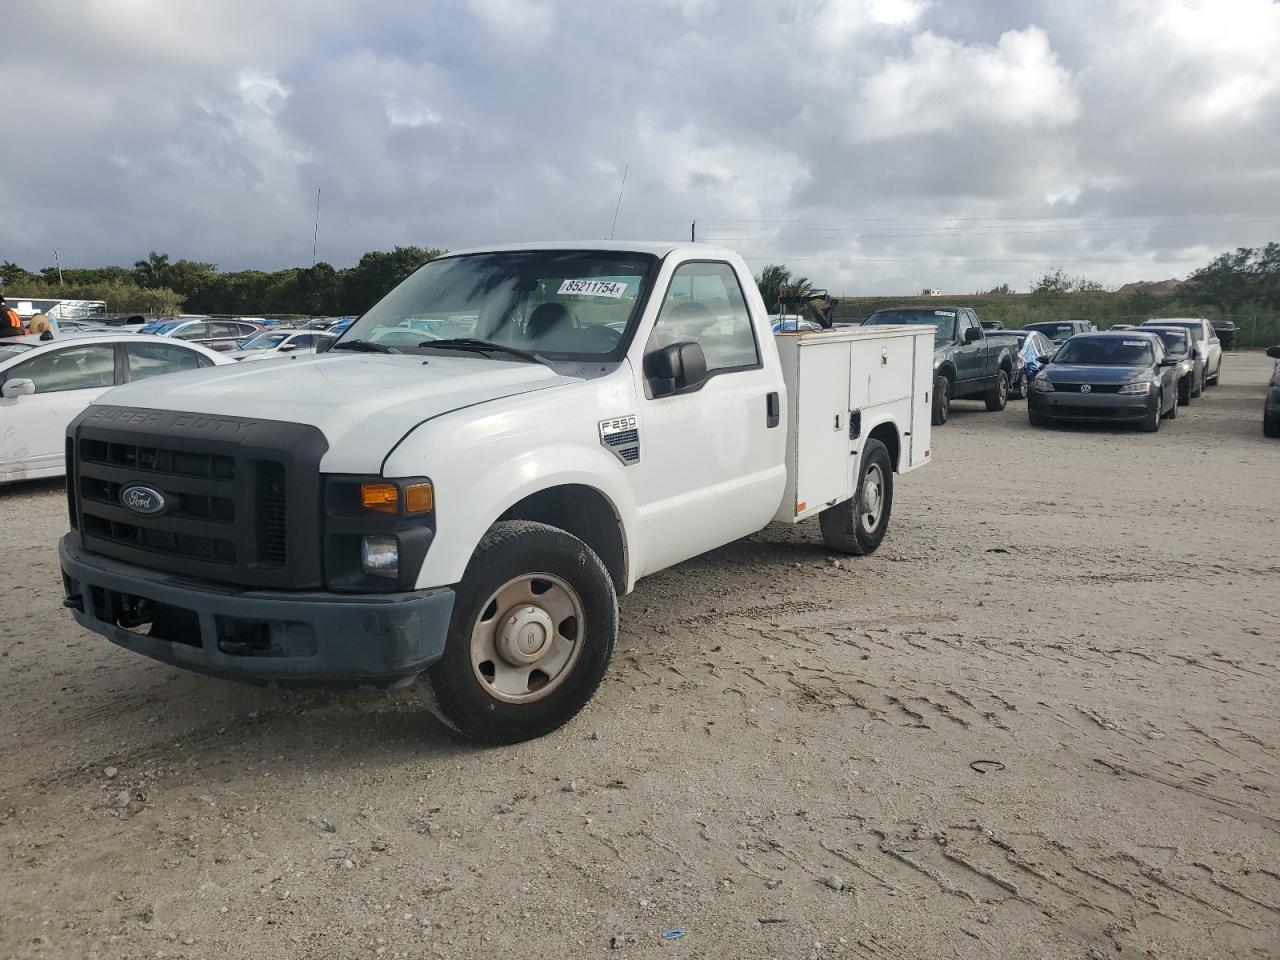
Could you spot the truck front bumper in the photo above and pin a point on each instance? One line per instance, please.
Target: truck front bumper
(288, 638)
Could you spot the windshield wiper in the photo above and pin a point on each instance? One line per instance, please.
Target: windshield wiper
(481, 346)
(364, 346)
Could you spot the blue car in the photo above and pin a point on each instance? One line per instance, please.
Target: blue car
(1029, 347)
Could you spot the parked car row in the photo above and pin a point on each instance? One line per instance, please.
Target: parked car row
(45, 384)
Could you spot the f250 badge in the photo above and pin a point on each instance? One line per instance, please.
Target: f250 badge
(621, 435)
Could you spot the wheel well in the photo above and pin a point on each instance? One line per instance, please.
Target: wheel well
(946, 370)
(887, 434)
(585, 513)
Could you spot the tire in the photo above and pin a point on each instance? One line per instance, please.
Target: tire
(1217, 376)
(1152, 423)
(998, 396)
(1019, 391)
(941, 401)
(518, 567)
(1198, 391)
(1184, 390)
(857, 526)
(1036, 420)
(1271, 424)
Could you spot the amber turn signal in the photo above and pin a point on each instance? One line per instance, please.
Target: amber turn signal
(418, 498)
(383, 497)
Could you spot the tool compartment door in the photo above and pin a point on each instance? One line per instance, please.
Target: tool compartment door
(823, 466)
(881, 371)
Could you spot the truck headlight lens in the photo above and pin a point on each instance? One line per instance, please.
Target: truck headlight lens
(1041, 385)
(380, 556)
(1143, 387)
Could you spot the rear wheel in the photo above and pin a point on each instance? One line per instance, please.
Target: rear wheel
(998, 396)
(534, 622)
(857, 526)
(1019, 389)
(1152, 423)
(941, 401)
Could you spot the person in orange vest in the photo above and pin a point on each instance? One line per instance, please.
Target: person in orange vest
(10, 325)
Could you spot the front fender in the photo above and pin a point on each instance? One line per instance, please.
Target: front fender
(482, 464)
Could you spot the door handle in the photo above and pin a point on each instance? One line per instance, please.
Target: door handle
(772, 410)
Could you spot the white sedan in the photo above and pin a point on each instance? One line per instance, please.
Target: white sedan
(44, 384)
(279, 343)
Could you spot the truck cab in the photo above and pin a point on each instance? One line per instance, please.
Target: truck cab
(967, 366)
(461, 486)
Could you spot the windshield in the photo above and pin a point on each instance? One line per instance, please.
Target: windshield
(1194, 329)
(1107, 351)
(9, 349)
(265, 341)
(1175, 341)
(567, 304)
(1051, 329)
(944, 321)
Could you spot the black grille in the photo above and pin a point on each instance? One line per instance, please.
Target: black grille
(1093, 387)
(1080, 410)
(272, 503)
(209, 549)
(181, 463)
(241, 498)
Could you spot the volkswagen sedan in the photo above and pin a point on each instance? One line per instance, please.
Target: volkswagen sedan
(1124, 377)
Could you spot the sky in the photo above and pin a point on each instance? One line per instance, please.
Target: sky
(874, 146)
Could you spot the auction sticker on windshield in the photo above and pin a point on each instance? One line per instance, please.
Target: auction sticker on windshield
(945, 313)
(1135, 343)
(594, 288)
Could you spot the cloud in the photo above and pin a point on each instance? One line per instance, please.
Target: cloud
(880, 145)
(944, 85)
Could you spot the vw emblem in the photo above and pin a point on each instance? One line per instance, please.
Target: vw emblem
(144, 500)
(1085, 388)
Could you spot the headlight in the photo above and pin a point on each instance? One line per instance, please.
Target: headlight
(1041, 385)
(380, 556)
(1142, 387)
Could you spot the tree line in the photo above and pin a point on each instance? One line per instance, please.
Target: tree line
(1242, 280)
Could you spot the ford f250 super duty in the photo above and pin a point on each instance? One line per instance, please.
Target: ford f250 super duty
(461, 487)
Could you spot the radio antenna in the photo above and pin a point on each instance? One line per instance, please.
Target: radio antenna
(315, 237)
(618, 205)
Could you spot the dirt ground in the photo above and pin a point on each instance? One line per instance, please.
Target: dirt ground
(786, 759)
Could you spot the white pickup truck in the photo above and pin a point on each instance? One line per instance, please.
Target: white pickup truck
(467, 508)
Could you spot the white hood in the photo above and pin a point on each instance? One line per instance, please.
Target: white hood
(363, 403)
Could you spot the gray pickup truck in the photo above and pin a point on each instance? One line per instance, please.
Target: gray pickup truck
(966, 366)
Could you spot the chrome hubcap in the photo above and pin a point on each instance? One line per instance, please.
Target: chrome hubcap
(871, 503)
(528, 638)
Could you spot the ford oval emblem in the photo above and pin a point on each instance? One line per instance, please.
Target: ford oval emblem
(144, 500)
(1085, 388)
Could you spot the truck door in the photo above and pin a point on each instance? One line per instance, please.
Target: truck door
(712, 465)
(971, 358)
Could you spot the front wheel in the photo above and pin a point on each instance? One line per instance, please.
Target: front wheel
(1271, 424)
(1184, 390)
(534, 622)
(941, 401)
(998, 396)
(1152, 423)
(857, 526)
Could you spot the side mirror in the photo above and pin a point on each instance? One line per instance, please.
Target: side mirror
(675, 367)
(971, 334)
(288, 347)
(1169, 361)
(1273, 353)
(18, 388)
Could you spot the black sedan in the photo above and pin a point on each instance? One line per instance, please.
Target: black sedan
(1191, 372)
(1271, 406)
(1108, 378)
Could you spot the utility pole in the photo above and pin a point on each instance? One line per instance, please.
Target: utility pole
(58, 261)
(315, 237)
(618, 205)
(693, 232)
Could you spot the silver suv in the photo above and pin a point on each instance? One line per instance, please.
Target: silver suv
(1205, 340)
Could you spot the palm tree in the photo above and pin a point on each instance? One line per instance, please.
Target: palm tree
(777, 285)
(151, 271)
